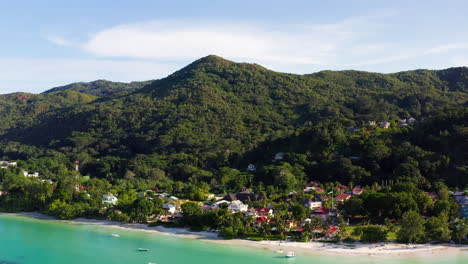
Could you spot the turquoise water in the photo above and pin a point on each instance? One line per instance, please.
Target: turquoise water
(25, 240)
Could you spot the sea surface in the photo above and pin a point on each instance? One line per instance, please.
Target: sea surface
(25, 240)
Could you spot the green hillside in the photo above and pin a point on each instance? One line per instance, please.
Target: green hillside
(216, 113)
(101, 88)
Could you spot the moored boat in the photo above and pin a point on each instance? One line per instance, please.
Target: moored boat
(290, 254)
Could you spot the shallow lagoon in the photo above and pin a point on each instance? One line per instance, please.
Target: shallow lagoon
(25, 240)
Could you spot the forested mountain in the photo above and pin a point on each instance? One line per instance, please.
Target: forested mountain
(101, 88)
(216, 113)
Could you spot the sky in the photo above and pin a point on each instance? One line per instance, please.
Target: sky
(49, 43)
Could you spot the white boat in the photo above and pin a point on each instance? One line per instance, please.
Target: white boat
(279, 251)
(290, 254)
(143, 249)
(115, 235)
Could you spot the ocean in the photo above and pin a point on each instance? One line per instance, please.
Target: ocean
(25, 240)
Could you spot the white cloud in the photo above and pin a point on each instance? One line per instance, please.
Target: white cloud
(275, 47)
(447, 48)
(60, 41)
(38, 75)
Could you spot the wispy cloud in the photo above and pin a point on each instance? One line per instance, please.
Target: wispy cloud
(60, 41)
(447, 48)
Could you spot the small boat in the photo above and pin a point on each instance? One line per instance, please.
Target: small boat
(290, 254)
(279, 251)
(143, 249)
(115, 235)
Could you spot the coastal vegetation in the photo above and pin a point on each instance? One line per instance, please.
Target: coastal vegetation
(383, 154)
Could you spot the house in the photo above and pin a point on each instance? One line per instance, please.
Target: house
(49, 181)
(353, 129)
(320, 213)
(163, 195)
(316, 202)
(343, 197)
(170, 208)
(238, 206)
(251, 167)
(264, 211)
(79, 188)
(27, 174)
(3, 193)
(218, 204)
(384, 124)
(331, 231)
(402, 123)
(173, 199)
(357, 190)
(371, 123)
(279, 156)
(411, 121)
(209, 196)
(245, 194)
(230, 197)
(109, 199)
(314, 188)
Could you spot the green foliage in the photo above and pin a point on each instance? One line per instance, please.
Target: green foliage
(412, 228)
(371, 234)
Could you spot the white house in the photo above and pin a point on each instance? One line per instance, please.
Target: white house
(237, 206)
(173, 199)
(109, 199)
(411, 121)
(384, 124)
(251, 167)
(34, 174)
(218, 204)
(170, 208)
(279, 156)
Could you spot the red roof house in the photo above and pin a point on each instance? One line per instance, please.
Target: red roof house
(343, 197)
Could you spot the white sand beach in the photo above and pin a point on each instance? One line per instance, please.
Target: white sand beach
(315, 248)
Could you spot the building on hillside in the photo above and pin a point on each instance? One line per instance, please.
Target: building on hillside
(219, 204)
(264, 212)
(312, 203)
(357, 190)
(230, 197)
(109, 199)
(170, 208)
(343, 197)
(3, 193)
(279, 156)
(29, 175)
(384, 124)
(247, 195)
(320, 212)
(173, 199)
(371, 123)
(238, 206)
(411, 121)
(251, 167)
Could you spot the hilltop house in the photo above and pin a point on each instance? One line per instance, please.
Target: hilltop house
(264, 212)
(371, 123)
(238, 206)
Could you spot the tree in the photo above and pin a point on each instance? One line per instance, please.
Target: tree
(460, 227)
(373, 234)
(412, 228)
(437, 228)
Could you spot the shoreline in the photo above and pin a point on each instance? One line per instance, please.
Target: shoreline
(376, 250)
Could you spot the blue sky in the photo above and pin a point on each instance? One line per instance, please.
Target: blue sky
(49, 43)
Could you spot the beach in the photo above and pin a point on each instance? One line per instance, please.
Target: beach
(385, 250)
